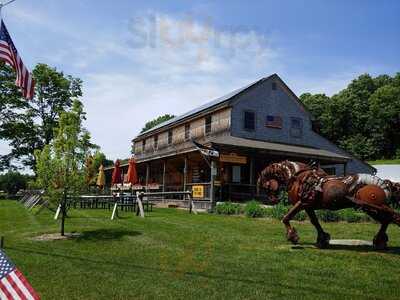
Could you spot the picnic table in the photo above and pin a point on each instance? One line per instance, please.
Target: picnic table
(126, 202)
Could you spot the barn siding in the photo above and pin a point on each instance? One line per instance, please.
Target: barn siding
(264, 101)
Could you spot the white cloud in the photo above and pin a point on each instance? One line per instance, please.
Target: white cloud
(155, 64)
(175, 66)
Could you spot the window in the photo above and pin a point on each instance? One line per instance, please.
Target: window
(236, 174)
(329, 170)
(296, 127)
(187, 132)
(169, 137)
(208, 124)
(273, 122)
(249, 120)
(156, 142)
(273, 86)
(144, 145)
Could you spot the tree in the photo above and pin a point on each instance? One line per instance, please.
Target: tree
(385, 119)
(29, 125)
(156, 121)
(10, 104)
(60, 165)
(363, 118)
(11, 182)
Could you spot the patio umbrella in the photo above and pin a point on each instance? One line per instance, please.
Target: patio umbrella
(90, 171)
(131, 176)
(101, 178)
(116, 175)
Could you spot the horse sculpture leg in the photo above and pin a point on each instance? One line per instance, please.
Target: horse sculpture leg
(291, 233)
(381, 238)
(323, 237)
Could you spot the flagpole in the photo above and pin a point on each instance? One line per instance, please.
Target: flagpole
(4, 4)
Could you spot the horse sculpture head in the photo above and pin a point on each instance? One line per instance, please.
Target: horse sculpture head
(277, 176)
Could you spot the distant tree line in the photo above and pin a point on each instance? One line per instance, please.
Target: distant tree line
(156, 121)
(363, 118)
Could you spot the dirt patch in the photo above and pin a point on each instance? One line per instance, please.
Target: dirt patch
(56, 236)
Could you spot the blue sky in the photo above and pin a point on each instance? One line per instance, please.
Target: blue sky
(142, 59)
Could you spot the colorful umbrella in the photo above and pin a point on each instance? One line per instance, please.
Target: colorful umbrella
(116, 175)
(101, 178)
(90, 171)
(131, 176)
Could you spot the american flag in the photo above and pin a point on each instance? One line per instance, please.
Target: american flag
(273, 121)
(13, 285)
(9, 54)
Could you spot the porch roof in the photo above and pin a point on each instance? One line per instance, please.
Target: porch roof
(280, 149)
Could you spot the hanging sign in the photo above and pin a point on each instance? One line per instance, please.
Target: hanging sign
(233, 158)
(208, 152)
(198, 191)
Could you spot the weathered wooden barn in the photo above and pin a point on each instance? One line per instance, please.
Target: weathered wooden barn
(250, 127)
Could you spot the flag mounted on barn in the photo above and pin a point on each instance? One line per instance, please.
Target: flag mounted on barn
(13, 285)
(9, 54)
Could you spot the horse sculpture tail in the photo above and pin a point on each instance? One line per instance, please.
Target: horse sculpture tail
(395, 193)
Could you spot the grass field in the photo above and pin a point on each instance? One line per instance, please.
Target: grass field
(385, 162)
(173, 255)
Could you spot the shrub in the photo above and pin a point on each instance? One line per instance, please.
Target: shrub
(351, 216)
(228, 208)
(301, 216)
(279, 210)
(328, 215)
(253, 209)
(283, 198)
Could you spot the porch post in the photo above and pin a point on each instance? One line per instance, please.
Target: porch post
(163, 175)
(212, 192)
(345, 168)
(163, 178)
(147, 175)
(252, 176)
(185, 174)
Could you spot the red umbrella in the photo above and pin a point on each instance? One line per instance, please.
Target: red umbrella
(116, 175)
(131, 176)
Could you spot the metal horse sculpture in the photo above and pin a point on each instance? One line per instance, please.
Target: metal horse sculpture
(310, 188)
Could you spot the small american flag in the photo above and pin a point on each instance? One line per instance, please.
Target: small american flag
(273, 121)
(9, 54)
(13, 285)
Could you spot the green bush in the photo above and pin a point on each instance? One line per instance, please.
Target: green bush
(228, 208)
(283, 198)
(301, 216)
(253, 209)
(328, 215)
(279, 210)
(350, 215)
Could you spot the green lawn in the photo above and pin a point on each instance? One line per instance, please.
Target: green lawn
(173, 255)
(385, 162)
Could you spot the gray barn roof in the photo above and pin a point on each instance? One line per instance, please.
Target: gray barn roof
(208, 105)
